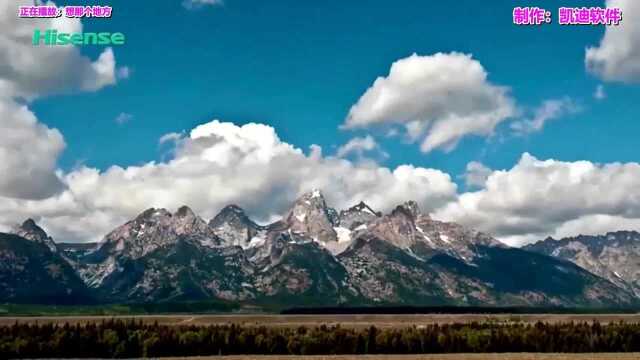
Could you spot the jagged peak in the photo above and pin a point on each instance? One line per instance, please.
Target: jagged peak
(153, 212)
(622, 232)
(413, 207)
(232, 212)
(30, 229)
(311, 200)
(184, 211)
(363, 207)
(29, 224)
(589, 238)
(409, 208)
(311, 215)
(314, 195)
(232, 208)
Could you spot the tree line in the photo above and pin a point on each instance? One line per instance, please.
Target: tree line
(131, 339)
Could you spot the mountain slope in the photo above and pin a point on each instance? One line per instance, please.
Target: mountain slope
(406, 257)
(31, 273)
(31, 231)
(310, 215)
(180, 271)
(299, 273)
(234, 227)
(155, 228)
(356, 216)
(151, 230)
(614, 256)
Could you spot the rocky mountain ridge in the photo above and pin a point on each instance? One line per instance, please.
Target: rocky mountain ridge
(614, 256)
(31, 231)
(318, 256)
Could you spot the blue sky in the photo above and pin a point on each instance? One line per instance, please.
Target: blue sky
(497, 126)
(299, 66)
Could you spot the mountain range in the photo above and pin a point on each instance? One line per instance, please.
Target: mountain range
(614, 256)
(316, 256)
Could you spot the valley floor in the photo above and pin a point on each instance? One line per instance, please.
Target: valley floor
(351, 321)
(527, 356)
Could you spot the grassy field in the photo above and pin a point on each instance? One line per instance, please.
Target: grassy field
(629, 356)
(355, 321)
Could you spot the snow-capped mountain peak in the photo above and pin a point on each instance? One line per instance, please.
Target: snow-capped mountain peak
(409, 208)
(401, 257)
(614, 256)
(155, 228)
(311, 216)
(234, 227)
(356, 216)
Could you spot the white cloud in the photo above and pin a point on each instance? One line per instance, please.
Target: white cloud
(617, 57)
(123, 118)
(439, 99)
(596, 225)
(536, 198)
(549, 110)
(218, 164)
(358, 146)
(196, 4)
(476, 174)
(28, 153)
(600, 94)
(170, 138)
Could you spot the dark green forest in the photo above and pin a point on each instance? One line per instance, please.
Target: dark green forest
(127, 339)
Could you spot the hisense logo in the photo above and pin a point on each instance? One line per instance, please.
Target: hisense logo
(53, 37)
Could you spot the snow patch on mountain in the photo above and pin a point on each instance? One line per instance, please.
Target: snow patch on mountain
(344, 234)
(256, 241)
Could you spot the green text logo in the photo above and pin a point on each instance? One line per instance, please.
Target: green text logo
(53, 37)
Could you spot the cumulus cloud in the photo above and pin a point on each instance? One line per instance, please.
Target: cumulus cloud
(28, 153)
(196, 4)
(217, 164)
(537, 198)
(476, 174)
(595, 225)
(549, 110)
(358, 146)
(30, 71)
(439, 99)
(617, 57)
(170, 138)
